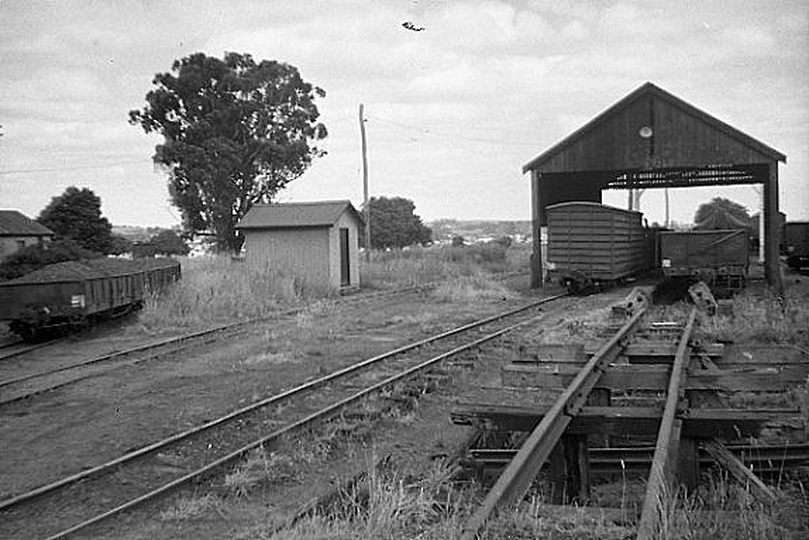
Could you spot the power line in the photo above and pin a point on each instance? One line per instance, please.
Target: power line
(427, 131)
(76, 168)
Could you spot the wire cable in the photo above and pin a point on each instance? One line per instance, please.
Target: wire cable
(427, 131)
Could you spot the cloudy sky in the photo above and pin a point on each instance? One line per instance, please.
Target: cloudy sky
(454, 111)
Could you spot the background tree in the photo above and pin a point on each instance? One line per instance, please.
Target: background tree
(168, 242)
(394, 223)
(76, 214)
(235, 132)
(119, 245)
(721, 213)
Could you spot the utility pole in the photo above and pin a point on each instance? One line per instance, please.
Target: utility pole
(367, 205)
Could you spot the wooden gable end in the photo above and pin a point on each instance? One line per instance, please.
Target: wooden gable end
(651, 128)
(685, 139)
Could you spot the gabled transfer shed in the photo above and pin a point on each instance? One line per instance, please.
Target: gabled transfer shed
(317, 242)
(652, 139)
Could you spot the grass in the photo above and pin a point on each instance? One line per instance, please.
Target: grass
(217, 290)
(260, 468)
(417, 266)
(188, 508)
(762, 317)
(389, 505)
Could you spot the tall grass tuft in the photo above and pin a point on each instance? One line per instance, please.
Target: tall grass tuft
(764, 318)
(416, 266)
(386, 506)
(474, 287)
(216, 290)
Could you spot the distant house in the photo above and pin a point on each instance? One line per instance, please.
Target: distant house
(317, 242)
(18, 231)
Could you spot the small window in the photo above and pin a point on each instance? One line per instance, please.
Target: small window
(20, 244)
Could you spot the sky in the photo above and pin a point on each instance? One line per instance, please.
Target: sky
(453, 111)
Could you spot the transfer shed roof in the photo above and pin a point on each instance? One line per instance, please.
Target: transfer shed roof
(14, 223)
(295, 215)
(652, 127)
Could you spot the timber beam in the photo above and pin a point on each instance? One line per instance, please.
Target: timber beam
(617, 377)
(697, 423)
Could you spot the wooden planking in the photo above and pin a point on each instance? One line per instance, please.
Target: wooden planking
(655, 377)
(739, 471)
(515, 480)
(683, 136)
(609, 420)
(704, 249)
(599, 241)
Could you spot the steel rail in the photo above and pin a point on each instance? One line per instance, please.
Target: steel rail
(668, 440)
(515, 480)
(619, 459)
(321, 415)
(308, 386)
(168, 341)
(25, 349)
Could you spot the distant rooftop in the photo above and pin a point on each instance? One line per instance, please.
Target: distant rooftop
(291, 215)
(14, 223)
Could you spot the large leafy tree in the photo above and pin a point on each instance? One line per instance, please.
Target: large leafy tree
(721, 213)
(234, 131)
(76, 214)
(394, 223)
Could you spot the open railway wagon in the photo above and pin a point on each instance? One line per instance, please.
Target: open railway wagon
(591, 245)
(796, 243)
(72, 294)
(720, 258)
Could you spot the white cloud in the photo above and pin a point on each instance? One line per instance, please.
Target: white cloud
(493, 83)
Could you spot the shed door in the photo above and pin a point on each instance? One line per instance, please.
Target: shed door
(345, 259)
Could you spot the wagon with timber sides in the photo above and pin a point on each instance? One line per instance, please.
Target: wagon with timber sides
(70, 295)
(720, 258)
(796, 243)
(591, 244)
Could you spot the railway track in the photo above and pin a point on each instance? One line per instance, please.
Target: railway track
(19, 348)
(29, 385)
(517, 477)
(78, 502)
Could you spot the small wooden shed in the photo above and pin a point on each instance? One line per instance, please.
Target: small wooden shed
(317, 242)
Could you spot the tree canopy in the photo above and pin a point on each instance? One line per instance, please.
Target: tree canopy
(394, 223)
(76, 214)
(721, 213)
(168, 242)
(235, 132)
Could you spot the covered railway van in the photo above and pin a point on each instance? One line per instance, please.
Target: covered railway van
(718, 257)
(71, 294)
(590, 244)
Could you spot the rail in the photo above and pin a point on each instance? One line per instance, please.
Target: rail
(320, 415)
(515, 480)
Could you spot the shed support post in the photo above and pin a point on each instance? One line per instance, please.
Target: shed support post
(536, 255)
(772, 269)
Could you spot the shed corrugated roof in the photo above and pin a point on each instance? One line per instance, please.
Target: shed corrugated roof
(14, 223)
(291, 215)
